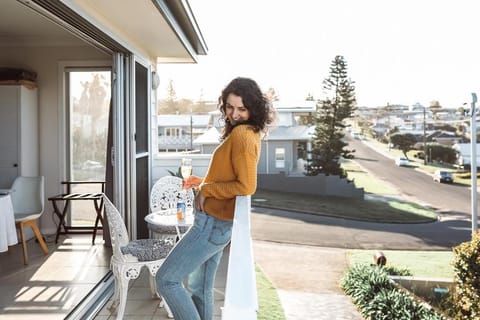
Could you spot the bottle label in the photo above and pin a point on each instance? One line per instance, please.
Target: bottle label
(180, 210)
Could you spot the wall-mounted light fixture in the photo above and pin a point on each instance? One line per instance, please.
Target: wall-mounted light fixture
(155, 80)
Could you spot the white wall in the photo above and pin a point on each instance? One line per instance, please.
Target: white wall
(45, 61)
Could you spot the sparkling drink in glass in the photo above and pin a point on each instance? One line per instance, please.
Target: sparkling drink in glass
(186, 168)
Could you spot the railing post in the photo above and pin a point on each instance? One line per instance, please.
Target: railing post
(241, 290)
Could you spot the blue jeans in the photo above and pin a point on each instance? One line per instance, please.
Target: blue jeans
(195, 256)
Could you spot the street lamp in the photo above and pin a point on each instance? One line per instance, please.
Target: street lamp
(473, 162)
(424, 136)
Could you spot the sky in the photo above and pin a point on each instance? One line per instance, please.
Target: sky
(397, 52)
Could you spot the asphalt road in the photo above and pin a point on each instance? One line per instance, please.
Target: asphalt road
(315, 230)
(413, 183)
(452, 228)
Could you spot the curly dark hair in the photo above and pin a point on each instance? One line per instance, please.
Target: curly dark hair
(258, 105)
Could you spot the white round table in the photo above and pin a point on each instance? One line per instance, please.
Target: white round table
(8, 232)
(162, 222)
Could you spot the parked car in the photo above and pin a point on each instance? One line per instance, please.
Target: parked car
(443, 176)
(401, 161)
(356, 135)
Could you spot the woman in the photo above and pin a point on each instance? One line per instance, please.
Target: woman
(232, 172)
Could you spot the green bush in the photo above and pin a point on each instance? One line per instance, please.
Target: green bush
(377, 297)
(438, 152)
(395, 271)
(466, 291)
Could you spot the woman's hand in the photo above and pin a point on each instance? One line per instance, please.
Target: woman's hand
(192, 182)
(199, 201)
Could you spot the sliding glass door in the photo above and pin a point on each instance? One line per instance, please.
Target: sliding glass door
(89, 96)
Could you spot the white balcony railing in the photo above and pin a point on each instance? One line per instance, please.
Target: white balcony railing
(241, 290)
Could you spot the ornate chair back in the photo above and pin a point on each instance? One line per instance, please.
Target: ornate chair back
(166, 193)
(118, 231)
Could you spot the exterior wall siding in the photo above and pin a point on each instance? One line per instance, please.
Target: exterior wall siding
(319, 185)
(267, 157)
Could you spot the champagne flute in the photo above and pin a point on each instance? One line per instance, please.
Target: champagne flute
(186, 172)
(186, 168)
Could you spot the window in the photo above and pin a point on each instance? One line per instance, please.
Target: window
(279, 157)
(172, 132)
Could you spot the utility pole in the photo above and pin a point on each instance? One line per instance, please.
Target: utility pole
(473, 162)
(191, 131)
(424, 136)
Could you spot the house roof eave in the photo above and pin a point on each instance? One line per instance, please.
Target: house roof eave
(163, 31)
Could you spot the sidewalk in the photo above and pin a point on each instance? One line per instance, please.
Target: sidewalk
(307, 280)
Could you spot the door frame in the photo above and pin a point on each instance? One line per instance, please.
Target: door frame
(63, 104)
(134, 216)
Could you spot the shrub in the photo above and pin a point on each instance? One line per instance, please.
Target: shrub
(442, 153)
(466, 291)
(375, 294)
(395, 271)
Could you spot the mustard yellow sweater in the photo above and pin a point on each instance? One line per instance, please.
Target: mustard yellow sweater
(232, 172)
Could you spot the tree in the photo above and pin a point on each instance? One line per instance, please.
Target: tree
(435, 107)
(89, 109)
(445, 127)
(441, 153)
(272, 95)
(390, 133)
(174, 105)
(404, 142)
(170, 105)
(327, 141)
(462, 111)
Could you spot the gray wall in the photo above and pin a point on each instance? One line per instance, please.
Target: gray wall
(266, 163)
(319, 185)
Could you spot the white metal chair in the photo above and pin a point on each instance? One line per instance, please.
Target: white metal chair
(28, 201)
(165, 194)
(129, 257)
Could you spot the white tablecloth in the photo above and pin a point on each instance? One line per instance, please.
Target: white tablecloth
(8, 233)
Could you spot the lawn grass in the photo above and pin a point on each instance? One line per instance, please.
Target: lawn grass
(269, 306)
(464, 178)
(391, 211)
(362, 179)
(429, 264)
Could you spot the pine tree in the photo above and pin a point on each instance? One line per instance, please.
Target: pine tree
(327, 141)
(169, 105)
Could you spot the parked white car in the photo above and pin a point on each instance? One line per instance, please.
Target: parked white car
(356, 135)
(443, 176)
(402, 162)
